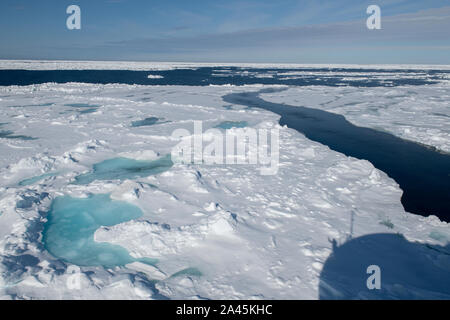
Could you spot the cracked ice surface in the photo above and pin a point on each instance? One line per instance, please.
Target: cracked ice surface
(416, 113)
(217, 231)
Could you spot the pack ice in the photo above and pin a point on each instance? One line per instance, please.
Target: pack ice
(203, 231)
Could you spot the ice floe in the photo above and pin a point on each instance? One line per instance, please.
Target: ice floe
(416, 113)
(216, 231)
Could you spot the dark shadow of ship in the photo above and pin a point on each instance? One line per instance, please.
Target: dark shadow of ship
(409, 270)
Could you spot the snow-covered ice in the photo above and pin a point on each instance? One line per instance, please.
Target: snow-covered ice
(217, 231)
(158, 66)
(416, 113)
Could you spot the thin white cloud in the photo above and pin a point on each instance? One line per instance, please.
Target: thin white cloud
(424, 27)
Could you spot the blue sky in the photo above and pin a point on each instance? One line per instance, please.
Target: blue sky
(285, 31)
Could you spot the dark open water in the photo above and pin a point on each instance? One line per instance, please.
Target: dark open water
(422, 173)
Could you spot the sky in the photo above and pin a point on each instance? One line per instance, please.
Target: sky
(281, 31)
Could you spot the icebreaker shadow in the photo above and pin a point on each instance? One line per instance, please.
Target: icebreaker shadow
(409, 270)
(422, 173)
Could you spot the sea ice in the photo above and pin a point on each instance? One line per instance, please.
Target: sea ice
(218, 231)
(71, 224)
(416, 113)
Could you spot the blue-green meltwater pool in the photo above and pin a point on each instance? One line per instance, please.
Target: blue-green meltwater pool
(69, 232)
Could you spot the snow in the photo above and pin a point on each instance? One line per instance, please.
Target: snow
(160, 66)
(416, 113)
(217, 231)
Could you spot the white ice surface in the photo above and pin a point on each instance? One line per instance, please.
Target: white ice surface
(416, 113)
(141, 65)
(250, 236)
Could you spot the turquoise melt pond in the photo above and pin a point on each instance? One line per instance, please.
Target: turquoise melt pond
(124, 168)
(71, 223)
(232, 124)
